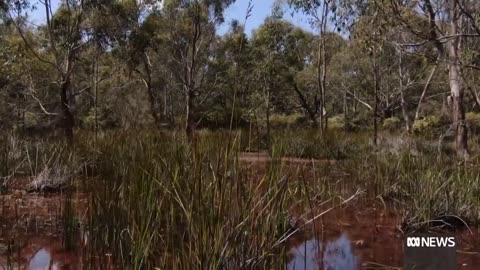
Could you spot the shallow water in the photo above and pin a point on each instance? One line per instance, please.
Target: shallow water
(347, 238)
(352, 238)
(39, 253)
(313, 254)
(42, 260)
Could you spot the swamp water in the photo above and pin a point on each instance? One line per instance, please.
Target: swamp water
(347, 238)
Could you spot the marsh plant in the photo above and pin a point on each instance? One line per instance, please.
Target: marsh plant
(428, 190)
(161, 202)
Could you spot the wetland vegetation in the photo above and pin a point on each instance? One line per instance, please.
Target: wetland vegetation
(139, 135)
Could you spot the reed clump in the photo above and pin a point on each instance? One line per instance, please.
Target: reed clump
(428, 190)
(162, 202)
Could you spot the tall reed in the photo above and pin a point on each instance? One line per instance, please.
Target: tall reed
(161, 202)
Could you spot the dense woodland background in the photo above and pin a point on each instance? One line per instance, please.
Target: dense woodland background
(101, 64)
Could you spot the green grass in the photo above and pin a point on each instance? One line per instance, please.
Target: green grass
(167, 204)
(157, 201)
(428, 190)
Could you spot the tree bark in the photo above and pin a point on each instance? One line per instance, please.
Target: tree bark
(312, 113)
(147, 80)
(322, 67)
(403, 102)
(425, 88)
(189, 123)
(375, 111)
(346, 122)
(68, 120)
(456, 84)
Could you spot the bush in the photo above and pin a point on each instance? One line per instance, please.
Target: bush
(32, 119)
(473, 121)
(391, 123)
(426, 124)
(337, 122)
(309, 143)
(283, 121)
(104, 116)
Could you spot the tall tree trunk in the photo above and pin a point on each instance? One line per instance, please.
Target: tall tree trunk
(346, 122)
(266, 89)
(322, 67)
(165, 109)
(267, 100)
(354, 101)
(95, 87)
(375, 111)
(320, 85)
(150, 91)
(189, 123)
(153, 105)
(312, 114)
(456, 83)
(425, 88)
(323, 30)
(403, 102)
(68, 120)
(324, 77)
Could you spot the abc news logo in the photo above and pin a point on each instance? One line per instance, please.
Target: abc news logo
(431, 241)
(430, 252)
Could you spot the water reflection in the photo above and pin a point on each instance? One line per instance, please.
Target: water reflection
(334, 255)
(42, 260)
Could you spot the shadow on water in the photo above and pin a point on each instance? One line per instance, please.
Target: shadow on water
(332, 255)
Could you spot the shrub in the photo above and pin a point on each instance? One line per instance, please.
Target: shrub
(426, 124)
(337, 122)
(281, 120)
(32, 119)
(391, 123)
(309, 143)
(473, 121)
(103, 117)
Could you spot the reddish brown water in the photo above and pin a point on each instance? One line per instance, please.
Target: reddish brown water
(30, 228)
(347, 238)
(40, 253)
(350, 238)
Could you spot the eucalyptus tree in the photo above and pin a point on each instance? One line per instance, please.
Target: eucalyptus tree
(307, 79)
(319, 12)
(131, 29)
(229, 78)
(446, 25)
(280, 51)
(189, 31)
(452, 24)
(66, 33)
(12, 94)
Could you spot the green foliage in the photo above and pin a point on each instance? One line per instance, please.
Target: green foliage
(285, 121)
(427, 123)
(103, 117)
(309, 143)
(391, 123)
(473, 118)
(184, 206)
(425, 186)
(32, 120)
(336, 122)
(473, 122)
